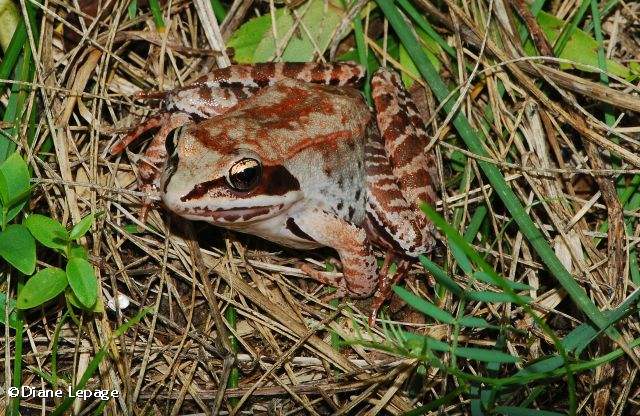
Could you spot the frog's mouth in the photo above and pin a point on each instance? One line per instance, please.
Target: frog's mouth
(229, 216)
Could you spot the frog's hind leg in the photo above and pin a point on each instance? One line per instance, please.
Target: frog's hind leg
(260, 75)
(409, 170)
(391, 222)
(398, 176)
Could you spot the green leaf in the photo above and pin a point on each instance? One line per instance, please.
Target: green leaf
(580, 47)
(12, 320)
(82, 281)
(76, 250)
(424, 306)
(247, 37)
(14, 180)
(18, 248)
(254, 41)
(98, 307)
(81, 227)
(47, 231)
(42, 287)
(15, 210)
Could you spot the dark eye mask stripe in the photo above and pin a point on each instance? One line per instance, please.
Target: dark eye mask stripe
(276, 180)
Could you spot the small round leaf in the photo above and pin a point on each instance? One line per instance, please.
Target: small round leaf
(47, 231)
(41, 287)
(82, 281)
(81, 227)
(18, 248)
(14, 185)
(76, 250)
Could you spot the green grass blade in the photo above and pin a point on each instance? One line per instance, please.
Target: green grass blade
(132, 9)
(12, 53)
(424, 306)
(428, 29)
(218, 10)
(475, 223)
(475, 322)
(484, 277)
(495, 297)
(451, 397)
(231, 315)
(441, 276)
(485, 355)
(606, 9)
(17, 360)
(156, 12)
(363, 53)
(420, 342)
(461, 257)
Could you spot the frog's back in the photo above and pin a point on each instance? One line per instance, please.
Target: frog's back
(288, 118)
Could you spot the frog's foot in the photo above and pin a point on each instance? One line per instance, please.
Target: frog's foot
(151, 164)
(150, 95)
(149, 199)
(385, 282)
(328, 278)
(150, 123)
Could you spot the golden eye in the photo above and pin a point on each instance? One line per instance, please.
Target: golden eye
(245, 174)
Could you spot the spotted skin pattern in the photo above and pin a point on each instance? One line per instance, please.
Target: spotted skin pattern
(326, 171)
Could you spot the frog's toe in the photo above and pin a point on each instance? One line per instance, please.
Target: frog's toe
(328, 278)
(385, 283)
(338, 294)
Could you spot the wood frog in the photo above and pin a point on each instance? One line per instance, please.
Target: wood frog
(291, 152)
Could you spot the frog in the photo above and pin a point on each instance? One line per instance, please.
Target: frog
(292, 153)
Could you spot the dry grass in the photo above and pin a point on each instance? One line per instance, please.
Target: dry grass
(177, 360)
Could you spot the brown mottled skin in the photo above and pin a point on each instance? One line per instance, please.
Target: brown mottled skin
(292, 153)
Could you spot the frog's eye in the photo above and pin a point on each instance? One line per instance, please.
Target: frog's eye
(245, 174)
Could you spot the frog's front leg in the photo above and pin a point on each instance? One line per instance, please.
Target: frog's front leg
(353, 247)
(151, 164)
